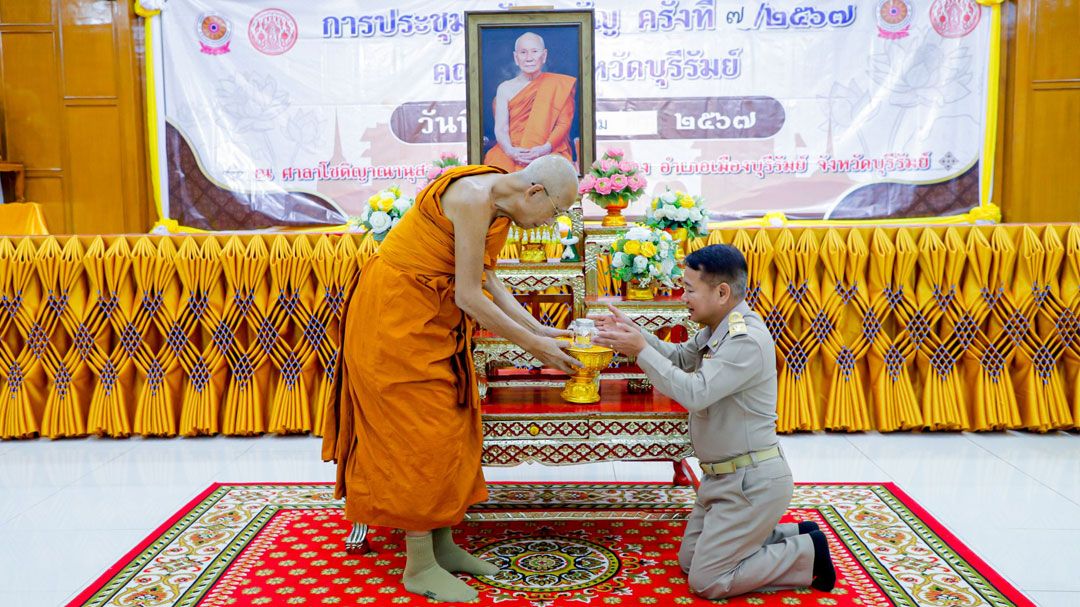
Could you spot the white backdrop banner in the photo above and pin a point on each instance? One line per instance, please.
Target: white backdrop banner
(291, 113)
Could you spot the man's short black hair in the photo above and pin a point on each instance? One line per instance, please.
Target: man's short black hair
(721, 263)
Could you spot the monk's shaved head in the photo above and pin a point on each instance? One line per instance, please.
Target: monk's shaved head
(557, 175)
(529, 39)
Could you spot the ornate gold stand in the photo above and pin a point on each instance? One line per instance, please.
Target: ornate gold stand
(583, 387)
(533, 252)
(614, 216)
(639, 293)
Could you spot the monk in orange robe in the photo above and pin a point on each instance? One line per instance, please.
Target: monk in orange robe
(533, 111)
(406, 430)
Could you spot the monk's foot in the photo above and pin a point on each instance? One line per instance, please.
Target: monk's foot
(452, 558)
(425, 577)
(438, 584)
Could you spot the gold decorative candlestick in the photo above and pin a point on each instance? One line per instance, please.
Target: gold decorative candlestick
(583, 387)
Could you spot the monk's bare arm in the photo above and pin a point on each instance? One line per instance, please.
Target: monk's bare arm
(502, 121)
(563, 122)
(507, 303)
(471, 221)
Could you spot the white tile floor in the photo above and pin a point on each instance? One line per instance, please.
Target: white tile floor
(69, 509)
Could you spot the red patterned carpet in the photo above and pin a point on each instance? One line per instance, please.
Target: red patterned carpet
(556, 545)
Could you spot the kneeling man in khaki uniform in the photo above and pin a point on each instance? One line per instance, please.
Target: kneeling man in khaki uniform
(726, 378)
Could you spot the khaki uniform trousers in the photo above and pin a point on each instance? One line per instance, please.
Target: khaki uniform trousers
(733, 544)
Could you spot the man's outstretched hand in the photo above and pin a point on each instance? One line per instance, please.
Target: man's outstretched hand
(619, 333)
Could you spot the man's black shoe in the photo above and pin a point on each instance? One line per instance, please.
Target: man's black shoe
(808, 526)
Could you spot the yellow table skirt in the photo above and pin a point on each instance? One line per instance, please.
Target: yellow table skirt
(939, 328)
(22, 219)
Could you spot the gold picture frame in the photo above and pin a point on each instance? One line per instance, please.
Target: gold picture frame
(495, 42)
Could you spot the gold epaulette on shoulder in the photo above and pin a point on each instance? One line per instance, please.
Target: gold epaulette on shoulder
(736, 324)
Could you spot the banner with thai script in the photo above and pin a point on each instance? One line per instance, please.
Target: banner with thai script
(293, 113)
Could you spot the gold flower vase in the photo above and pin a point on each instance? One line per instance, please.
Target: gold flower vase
(614, 218)
(532, 252)
(583, 387)
(635, 291)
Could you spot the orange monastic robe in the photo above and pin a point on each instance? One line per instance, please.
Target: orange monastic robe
(542, 112)
(406, 431)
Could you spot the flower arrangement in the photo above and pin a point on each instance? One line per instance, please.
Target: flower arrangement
(676, 211)
(384, 211)
(446, 161)
(643, 255)
(613, 183)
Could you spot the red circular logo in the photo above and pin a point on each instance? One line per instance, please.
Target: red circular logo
(272, 31)
(955, 18)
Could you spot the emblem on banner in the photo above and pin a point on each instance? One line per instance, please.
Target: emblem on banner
(214, 33)
(893, 19)
(955, 18)
(272, 31)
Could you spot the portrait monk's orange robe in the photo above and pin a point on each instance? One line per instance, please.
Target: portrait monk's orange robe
(405, 430)
(542, 112)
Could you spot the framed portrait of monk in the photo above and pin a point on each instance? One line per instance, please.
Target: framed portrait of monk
(530, 87)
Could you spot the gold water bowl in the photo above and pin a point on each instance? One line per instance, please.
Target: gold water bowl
(583, 387)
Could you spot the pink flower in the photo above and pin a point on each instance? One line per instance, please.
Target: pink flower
(606, 165)
(586, 184)
(637, 183)
(603, 186)
(615, 152)
(627, 167)
(447, 155)
(433, 172)
(618, 182)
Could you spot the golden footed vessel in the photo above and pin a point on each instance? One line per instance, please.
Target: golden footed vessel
(583, 387)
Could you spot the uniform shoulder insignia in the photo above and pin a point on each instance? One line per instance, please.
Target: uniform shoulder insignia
(736, 324)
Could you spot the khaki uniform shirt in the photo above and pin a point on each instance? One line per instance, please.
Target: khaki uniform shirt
(726, 380)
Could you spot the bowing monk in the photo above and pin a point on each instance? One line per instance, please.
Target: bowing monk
(406, 431)
(533, 111)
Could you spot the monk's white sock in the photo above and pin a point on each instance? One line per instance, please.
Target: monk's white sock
(425, 577)
(452, 558)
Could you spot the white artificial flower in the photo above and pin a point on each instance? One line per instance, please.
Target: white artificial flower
(380, 222)
(682, 214)
(639, 264)
(618, 260)
(402, 204)
(652, 270)
(669, 197)
(665, 236)
(667, 266)
(663, 246)
(639, 233)
(366, 214)
(695, 214)
(395, 221)
(661, 212)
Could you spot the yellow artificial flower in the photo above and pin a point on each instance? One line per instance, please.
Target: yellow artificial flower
(654, 203)
(386, 203)
(631, 247)
(396, 191)
(648, 249)
(685, 201)
(374, 202)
